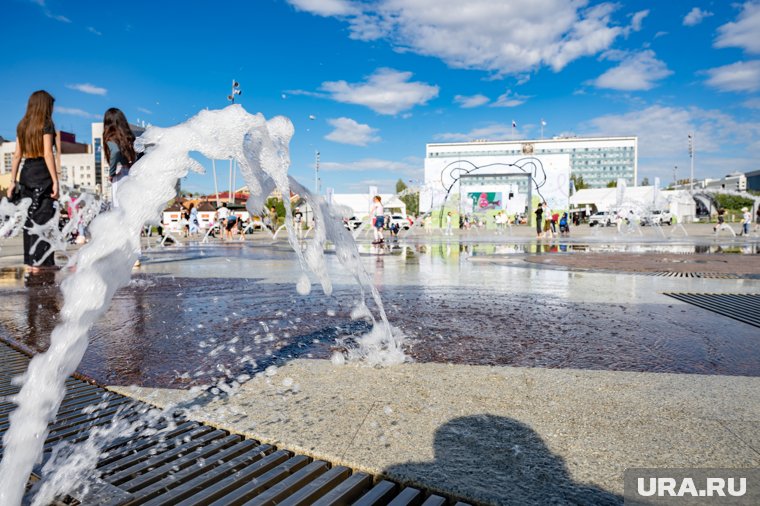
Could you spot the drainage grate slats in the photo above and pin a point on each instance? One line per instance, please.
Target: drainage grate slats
(347, 492)
(252, 479)
(135, 456)
(172, 460)
(319, 487)
(143, 465)
(380, 494)
(199, 462)
(408, 497)
(127, 446)
(289, 485)
(434, 500)
(701, 275)
(742, 307)
(261, 476)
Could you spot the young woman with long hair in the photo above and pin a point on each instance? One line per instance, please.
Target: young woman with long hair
(35, 142)
(119, 145)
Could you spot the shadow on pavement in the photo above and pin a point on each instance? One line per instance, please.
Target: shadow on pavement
(498, 460)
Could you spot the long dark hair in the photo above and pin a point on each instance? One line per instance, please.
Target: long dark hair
(116, 129)
(29, 132)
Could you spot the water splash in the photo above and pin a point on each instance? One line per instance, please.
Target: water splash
(104, 265)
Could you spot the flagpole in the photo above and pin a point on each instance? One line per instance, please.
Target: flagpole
(513, 129)
(542, 128)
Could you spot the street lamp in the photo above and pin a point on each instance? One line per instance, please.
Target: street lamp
(691, 155)
(235, 91)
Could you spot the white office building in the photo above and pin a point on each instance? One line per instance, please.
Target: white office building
(598, 160)
(78, 171)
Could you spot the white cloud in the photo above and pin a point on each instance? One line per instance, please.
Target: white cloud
(408, 166)
(348, 131)
(511, 37)
(144, 110)
(662, 130)
(739, 76)
(722, 142)
(492, 131)
(637, 19)
(324, 7)
(695, 16)
(93, 30)
(46, 11)
(468, 102)
(383, 185)
(509, 99)
(387, 91)
(743, 32)
(752, 103)
(88, 88)
(636, 71)
(72, 111)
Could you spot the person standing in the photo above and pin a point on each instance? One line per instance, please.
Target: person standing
(448, 224)
(39, 179)
(119, 145)
(222, 213)
(193, 225)
(273, 218)
(746, 221)
(378, 219)
(539, 220)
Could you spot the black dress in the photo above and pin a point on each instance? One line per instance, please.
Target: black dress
(36, 184)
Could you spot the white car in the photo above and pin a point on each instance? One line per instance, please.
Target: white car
(660, 218)
(602, 218)
(401, 220)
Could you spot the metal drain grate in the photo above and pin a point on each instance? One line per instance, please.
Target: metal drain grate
(705, 275)
(744, 307)
(194, 464)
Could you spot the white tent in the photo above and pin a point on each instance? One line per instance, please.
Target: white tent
(678, 202)
(358, 204)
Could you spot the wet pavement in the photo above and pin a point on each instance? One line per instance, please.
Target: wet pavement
(195, 313)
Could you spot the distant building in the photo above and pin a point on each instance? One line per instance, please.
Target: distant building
(598, 160)
(735, 181)
(74, 160)
(753, 180)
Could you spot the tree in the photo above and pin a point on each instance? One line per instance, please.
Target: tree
(578, 182)
(410, 200)
(733, 202)
(612, 184)
(645, 182)
(278, 205)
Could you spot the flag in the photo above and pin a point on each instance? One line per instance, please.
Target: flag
(543, 123)
(514, 124)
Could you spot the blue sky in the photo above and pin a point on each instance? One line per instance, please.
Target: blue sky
(382, 78)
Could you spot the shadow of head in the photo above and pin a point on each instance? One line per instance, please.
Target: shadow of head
(498, 460)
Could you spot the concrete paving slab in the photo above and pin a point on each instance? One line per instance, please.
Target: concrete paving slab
(487, 433)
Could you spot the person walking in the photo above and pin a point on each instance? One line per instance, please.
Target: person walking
(39, 180)
(448, 224)
(377, 213)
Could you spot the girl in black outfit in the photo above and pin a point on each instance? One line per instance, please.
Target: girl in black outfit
(35, 142)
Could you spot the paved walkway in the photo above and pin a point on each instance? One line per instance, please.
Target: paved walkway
(499, 435)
